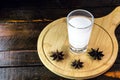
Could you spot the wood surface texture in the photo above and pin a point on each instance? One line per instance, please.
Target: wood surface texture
(21, 22)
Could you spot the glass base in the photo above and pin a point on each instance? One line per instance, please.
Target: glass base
(78, 50)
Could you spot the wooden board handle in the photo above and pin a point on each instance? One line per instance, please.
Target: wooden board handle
(116, 16)
(111, 21)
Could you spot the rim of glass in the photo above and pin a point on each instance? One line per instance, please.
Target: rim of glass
(84, 11)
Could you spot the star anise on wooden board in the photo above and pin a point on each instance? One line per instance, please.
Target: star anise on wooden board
(96, 54)
(58, 56)
(77, 64)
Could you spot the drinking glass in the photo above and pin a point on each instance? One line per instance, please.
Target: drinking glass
(79, 23)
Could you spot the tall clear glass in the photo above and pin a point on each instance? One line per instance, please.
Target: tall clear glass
(79, 24)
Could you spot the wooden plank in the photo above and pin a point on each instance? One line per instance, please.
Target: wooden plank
(19, 36)
(58, 3)
(19, 58)
(117, 34)
(112, 74)
(84, 3)
(42, 73)
(28, 73)
(32, 13)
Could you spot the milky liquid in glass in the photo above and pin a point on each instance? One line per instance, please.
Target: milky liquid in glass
(79, 31)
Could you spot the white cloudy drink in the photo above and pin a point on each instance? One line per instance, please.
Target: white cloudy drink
(79, 30)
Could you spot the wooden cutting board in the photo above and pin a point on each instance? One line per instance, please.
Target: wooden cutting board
(54, 37)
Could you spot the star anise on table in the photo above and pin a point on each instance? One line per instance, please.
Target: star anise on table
(96, 54)
(77, 64)
(57, 55)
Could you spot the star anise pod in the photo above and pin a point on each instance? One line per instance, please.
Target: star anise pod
(57, 55)
(77, 64)
(96, 54)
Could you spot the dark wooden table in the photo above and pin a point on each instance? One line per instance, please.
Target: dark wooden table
(21, 22)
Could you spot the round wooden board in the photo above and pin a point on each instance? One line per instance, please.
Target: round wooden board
(54, 37)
